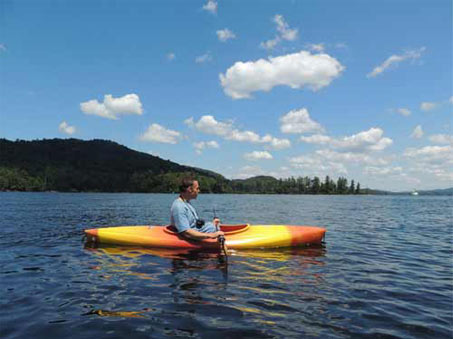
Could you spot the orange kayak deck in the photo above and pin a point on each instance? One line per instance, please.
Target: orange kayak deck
(242, 236)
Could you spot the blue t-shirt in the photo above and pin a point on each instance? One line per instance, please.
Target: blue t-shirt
(184, 216)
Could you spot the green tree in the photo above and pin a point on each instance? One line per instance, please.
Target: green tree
(352, 187)
(316, 185)
(342, 185)
(327, 185)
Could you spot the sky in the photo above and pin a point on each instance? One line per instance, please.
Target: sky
(357, 89)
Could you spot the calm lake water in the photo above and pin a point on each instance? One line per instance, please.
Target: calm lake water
(385, 270)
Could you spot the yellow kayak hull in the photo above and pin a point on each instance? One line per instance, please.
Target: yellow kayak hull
(236, 236)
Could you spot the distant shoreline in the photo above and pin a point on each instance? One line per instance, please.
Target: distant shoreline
(442, 192)
(74, 165)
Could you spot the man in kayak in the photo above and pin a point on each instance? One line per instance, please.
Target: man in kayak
(185, 218)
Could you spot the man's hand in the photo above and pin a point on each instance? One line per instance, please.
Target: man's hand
(216, 234)
(196, 235)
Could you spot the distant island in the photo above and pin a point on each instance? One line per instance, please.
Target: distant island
(73, 165)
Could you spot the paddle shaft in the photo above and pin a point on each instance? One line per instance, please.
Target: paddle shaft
(221, 238)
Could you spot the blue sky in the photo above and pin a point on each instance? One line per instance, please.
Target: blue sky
(361, 89)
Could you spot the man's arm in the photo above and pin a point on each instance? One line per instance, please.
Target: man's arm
(195, 235)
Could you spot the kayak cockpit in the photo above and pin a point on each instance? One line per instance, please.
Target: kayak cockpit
(227, 229)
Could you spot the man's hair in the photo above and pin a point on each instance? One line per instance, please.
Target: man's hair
(186, 182)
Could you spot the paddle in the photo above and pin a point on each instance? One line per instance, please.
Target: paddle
(221, 238)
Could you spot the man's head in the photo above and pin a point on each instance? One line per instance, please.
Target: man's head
(189, 188)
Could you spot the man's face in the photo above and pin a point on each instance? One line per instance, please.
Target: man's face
(194, 190)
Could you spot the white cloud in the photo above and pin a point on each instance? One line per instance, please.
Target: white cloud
(351, 157)
(158, 133)
(431, 153)
(225, 34)
(428, 106)
(203, 58)
(417, 133)
(210, 6)
(284, 33)
(171, 56)
(252, 137)
(112, 107)
(283, 28)
(299, 121)
(371, 140)
(395, 174)
(247, 136)
(258, 155)
(334, 163)
(316, 47)
(318, 139)
(404, 111)
(362, 142)
(2, 48)
(297, 70)
(441, 139)
(209, 125)
(317, 165)
(270, 44)
(65, 128)
(432, 160)
(276, 143)
(394, 60)
(383, 171)
(443, 174)
(200, 146)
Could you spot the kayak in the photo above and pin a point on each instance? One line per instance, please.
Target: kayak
(243, 236)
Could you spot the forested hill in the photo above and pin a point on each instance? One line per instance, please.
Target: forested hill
(72, 165)
(95, 165)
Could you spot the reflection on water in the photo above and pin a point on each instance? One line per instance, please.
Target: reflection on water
(124, 259)
(200, 286)
(282, 254)
(123, 314)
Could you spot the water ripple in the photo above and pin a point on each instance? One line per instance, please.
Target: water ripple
(384, 272)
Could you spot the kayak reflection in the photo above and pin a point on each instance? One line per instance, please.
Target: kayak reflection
(129, 260)
(187, 253)
(197, 284)
(122, 314)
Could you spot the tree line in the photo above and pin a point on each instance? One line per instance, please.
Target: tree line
(65, 180)
(295, 185)
(73, 165)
